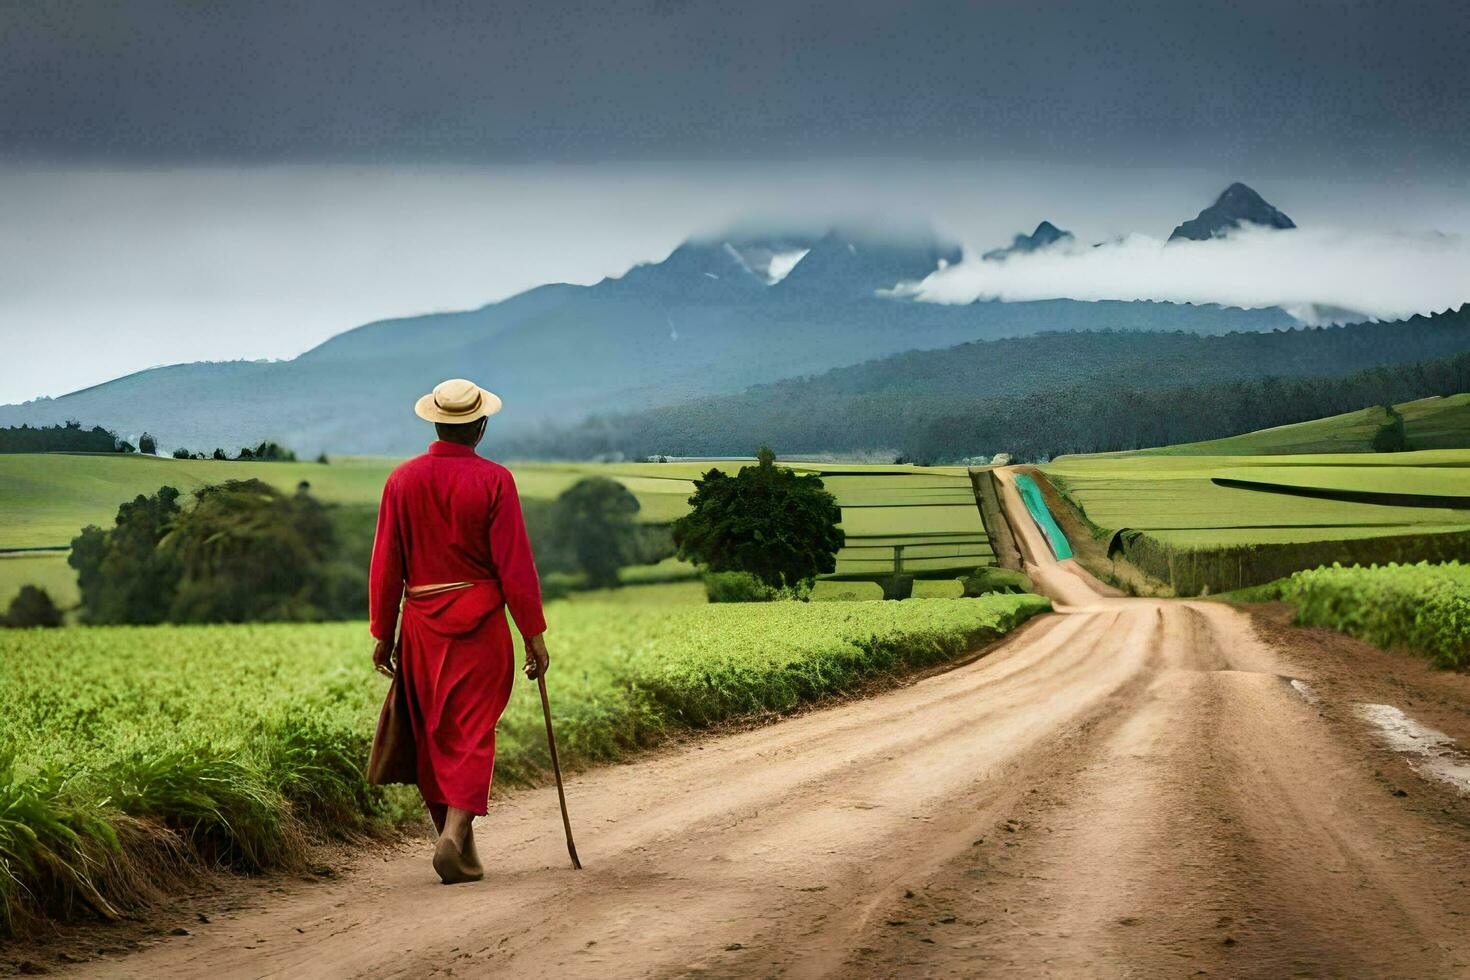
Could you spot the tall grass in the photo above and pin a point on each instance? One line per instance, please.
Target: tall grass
(135, 756)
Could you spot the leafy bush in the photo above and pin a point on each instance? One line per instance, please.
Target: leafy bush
(737, 587)
(988, 579)
(1224, 568)
(745, 587)
(136, 752)
(32, 606)
(1424, 608)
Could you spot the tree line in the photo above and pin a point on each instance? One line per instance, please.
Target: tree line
(68, 437)
(71, 437)
(265, 452)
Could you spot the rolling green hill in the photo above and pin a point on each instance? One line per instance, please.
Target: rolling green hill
(1429, 423)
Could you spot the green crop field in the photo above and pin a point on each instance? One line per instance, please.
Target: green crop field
(1173, 498)
(132, 752)
(1198, 534)
(1429, 423)
(1430, 482)
(47, 499)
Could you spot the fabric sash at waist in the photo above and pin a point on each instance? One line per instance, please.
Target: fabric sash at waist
(455, 612)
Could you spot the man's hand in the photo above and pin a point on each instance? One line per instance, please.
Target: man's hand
(537, 659)
(383, 658)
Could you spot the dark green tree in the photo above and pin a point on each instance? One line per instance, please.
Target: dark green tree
(594, 525)
(147, 444)
(767, 520)
(123, 574)
(219, 454)
(69, 437)
(32, 606)
(248, 552)
(1391, 437)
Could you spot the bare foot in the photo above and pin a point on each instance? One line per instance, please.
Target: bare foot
(471, 856)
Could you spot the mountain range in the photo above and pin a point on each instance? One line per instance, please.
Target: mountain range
(717, 315)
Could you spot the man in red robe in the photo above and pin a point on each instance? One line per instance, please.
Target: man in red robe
(451, 546)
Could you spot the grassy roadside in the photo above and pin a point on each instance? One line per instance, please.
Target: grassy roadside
(136, 756)
(1423, 608)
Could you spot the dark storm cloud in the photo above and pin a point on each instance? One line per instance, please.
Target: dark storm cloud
(1365, 86)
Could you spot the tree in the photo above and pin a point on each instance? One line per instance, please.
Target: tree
(247, 552)
(123, 574)
(1391, 437)
(767, 520)
(32, 606)
(182, 453)
(219, 454)
(594, 523)
(147, 445)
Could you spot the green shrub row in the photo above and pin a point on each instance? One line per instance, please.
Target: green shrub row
(1423, 608)
(1201, 571)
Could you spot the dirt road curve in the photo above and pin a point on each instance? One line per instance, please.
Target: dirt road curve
(1127, 788)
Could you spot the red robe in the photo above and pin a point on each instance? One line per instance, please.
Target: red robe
(453, 516)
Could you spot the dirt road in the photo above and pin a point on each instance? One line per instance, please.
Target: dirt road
(1125, 788)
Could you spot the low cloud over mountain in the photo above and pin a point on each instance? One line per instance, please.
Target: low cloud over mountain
(1313, 273)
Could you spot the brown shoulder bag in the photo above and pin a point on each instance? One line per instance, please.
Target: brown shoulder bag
(394, 758)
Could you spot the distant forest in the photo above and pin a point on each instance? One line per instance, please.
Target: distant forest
(72, 438)
(1045, 395)
(67, 438)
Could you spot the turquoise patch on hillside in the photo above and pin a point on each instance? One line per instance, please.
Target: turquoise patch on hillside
(1036, 504)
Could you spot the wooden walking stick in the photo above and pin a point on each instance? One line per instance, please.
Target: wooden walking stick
(556, 770)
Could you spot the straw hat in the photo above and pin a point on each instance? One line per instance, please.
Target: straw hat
(457, 401)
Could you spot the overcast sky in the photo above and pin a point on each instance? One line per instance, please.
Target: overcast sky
(209, 180)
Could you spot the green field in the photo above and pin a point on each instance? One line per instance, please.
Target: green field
(1197, 535)
(47, 569)
(1429, 423)
(130, 752)
(47, 499)
(1447, 485)
(1173, 498)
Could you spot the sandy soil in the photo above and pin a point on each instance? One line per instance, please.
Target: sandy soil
(1127, 788)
